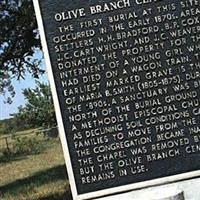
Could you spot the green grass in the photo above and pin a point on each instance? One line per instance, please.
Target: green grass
(10, 139)
(36, 177)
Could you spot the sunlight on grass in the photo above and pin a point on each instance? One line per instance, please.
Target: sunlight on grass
(31, 164)
(35, 177)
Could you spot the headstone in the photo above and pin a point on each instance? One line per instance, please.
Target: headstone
(125, 76)
(157, 193)
(179, 196)
(171, 194)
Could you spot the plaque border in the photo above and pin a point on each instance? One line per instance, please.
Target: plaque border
(104, 192)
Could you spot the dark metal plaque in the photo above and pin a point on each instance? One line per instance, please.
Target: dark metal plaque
(126, 78)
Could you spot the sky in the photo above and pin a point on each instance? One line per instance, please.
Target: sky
(29, 82)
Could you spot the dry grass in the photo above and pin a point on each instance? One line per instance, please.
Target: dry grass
(10, 137)
(35, 177)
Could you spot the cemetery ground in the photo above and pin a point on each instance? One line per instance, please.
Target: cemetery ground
(37, 173)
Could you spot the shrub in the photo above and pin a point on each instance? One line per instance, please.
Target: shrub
(27, 146)
(5, 156)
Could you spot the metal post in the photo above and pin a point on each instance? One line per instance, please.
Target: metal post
(7, 145)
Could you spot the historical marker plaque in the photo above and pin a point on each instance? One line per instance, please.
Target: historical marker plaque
(126, 79)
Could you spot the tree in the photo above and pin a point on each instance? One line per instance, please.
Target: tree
(6, 126)
(39, 109)
(19, 41)
(12, 125)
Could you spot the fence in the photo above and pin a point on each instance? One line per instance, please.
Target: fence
(7, 141)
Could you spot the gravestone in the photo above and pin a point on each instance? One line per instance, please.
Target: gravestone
(155, 193)
(125, 79)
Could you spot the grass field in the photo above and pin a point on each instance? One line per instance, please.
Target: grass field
(36, 177)
(10, 138)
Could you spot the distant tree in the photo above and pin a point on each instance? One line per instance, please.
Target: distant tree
(19, 41)
(4, 126)
(39, 109)
(12, 125)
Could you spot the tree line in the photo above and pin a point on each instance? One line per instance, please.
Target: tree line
(19, 44)
(38, 111)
